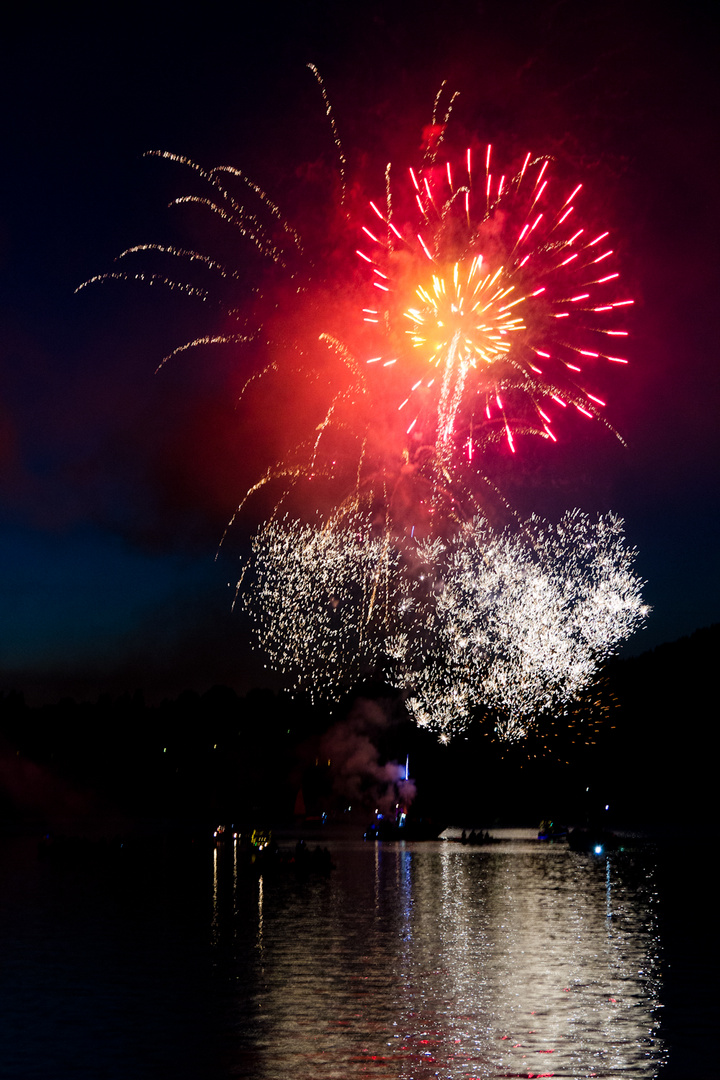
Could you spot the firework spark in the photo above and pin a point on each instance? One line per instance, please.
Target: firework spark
(517, 623)
(319, 599)
(496, 300)
(523, 620)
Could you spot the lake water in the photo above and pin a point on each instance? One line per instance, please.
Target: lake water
(406, 962)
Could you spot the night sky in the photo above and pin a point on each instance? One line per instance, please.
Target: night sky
(117, 483)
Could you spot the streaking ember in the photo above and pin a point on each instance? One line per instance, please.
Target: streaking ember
(514, 623)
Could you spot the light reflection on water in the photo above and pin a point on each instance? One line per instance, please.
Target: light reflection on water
(435, 960)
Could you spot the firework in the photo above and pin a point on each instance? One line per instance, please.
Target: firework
(494, 298)
(516, 623)
(523, 620)
(490, 307)
(318, 597)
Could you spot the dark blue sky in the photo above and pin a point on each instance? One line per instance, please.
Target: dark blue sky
(116, 483)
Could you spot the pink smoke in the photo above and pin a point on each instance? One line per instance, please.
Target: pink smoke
(357, 774)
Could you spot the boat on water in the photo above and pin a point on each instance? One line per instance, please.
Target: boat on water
(403, 826)
(551, 830)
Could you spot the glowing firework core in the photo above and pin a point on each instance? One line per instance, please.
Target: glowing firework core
(465, 316)
(463, 320)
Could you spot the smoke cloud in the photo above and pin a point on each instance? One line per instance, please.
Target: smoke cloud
(357, 773)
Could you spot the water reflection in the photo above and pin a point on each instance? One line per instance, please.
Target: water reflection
(439, 961)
